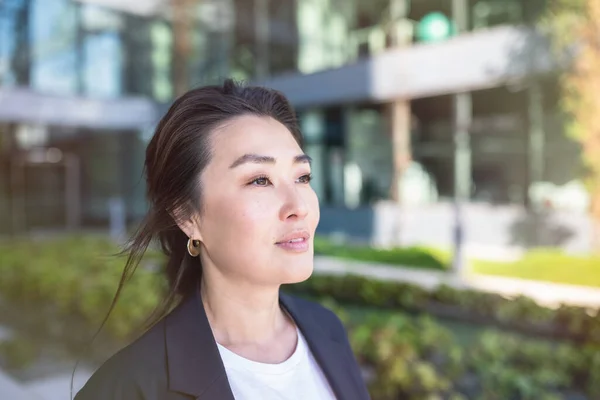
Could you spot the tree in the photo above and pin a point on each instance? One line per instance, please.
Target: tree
(574, 26)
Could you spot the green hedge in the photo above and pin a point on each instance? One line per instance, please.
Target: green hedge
(412, 358)
(76, 278)
(413, 257)
(520, 314)
(60, 290)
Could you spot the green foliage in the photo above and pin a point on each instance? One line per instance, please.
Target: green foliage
(561, 19)
(591, 364)
(412, 257)
(17, 353)
(417, 358)
(408, 359)
(575, 25)
(77, 278)
(519, 313)
(510, 367)
(69, 284)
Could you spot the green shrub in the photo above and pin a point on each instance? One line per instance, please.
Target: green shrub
(412, 257)
(520, 313)
(77, 277)
(406, 358)
(417, 358)
(510, 367)
(590, 364)
(17, 353)
(525, 309)
(71, 282)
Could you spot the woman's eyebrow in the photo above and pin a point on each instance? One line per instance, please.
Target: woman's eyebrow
(260, 159)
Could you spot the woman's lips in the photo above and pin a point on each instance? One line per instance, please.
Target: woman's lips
(298, 245)
(297, 241)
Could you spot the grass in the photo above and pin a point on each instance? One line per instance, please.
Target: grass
(413, 257)
(546, 265)
(549, 265)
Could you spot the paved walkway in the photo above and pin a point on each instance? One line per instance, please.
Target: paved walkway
(58, 387)
(12, 390)
(545, 293)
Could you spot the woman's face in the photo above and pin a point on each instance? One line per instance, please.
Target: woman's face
(259, 212)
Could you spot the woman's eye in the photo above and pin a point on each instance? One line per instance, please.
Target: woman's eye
(305, 178)
(260, 181)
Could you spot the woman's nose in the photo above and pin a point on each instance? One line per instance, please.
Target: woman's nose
(294, 205)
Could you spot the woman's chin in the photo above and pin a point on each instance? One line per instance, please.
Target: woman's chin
(296, 274)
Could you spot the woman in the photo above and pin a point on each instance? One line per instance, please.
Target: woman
(231, 205)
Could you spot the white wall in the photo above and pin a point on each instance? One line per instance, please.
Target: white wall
(477, 60)
(489, 229)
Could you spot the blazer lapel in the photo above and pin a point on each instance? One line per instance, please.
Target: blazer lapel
(193, 360)
(329, 352)
(195, 367)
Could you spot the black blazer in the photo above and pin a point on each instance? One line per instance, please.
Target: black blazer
(178, 358)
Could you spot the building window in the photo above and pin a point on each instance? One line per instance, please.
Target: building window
(55, 46)
(15, 43)
(369, 164)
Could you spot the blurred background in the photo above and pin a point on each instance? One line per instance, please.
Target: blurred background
(456, 156)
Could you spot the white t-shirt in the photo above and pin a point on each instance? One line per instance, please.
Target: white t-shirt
(297, 378)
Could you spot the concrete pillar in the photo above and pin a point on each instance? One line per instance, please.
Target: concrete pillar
(463, 114)
(72, 191)
(462, 174)
(462, 146)
(399, 33)
(535, 159)
(400, 124)
(261, 24)
(182, 43)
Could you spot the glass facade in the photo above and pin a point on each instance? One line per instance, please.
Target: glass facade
(66, 47)
(15, 45)
(54, 48)
(369, 155)
(73, 47)
(81, 49)
(499, 142)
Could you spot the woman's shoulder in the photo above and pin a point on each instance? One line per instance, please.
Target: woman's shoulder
(128, 373)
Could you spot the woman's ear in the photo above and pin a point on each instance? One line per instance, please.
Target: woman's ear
(190, 226)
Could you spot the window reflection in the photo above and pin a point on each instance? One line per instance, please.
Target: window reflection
(54, 44)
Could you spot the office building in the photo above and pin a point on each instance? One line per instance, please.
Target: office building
(412, 101)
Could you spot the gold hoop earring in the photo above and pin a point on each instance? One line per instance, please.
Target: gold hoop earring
(193, 247)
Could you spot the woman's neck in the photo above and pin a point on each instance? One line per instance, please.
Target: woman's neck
(243, 315)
